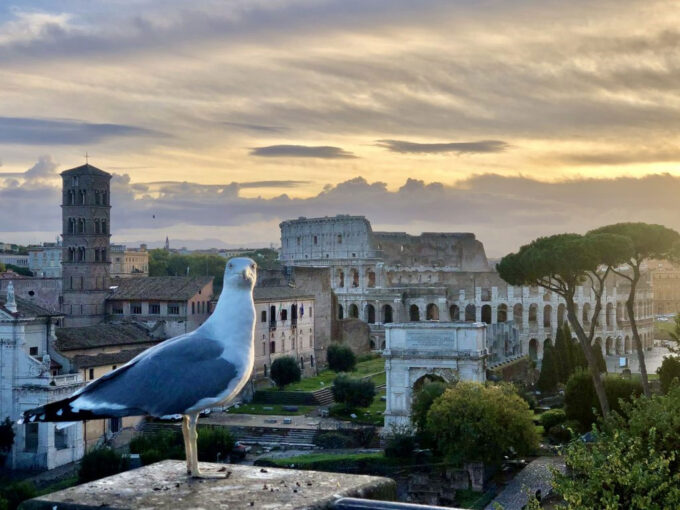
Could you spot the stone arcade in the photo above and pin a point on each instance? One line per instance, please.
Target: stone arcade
(385, 277)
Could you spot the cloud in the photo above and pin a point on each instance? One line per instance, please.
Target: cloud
(44, 168)
(255, 127)
(302, 151)
(504, 212)
(481, 146)
(33, 131)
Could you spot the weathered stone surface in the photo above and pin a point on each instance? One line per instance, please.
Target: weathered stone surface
(166, 485)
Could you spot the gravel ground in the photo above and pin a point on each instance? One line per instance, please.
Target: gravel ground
(536, 476)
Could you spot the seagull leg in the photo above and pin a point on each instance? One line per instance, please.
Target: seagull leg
(187, 441)
(193, 438)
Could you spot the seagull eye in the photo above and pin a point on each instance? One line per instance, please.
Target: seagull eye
(252, 266)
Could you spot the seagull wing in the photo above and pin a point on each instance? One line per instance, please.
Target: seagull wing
(162, 381)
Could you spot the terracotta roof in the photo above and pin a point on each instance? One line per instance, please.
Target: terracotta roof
(27, 308)
(105, 358)
(85, 169)
(102, 335)
(279, 293)
(162, 288)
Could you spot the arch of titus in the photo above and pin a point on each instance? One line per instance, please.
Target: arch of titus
(394, 277)
(450, 351)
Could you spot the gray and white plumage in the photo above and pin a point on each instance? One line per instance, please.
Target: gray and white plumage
(183, 375)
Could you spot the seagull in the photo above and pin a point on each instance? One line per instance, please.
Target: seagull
(183, 375)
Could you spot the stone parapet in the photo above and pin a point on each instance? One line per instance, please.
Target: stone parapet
(166, 485)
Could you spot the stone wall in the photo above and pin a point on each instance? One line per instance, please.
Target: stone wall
(355, 334)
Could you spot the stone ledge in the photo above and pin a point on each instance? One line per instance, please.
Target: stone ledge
(166, 485)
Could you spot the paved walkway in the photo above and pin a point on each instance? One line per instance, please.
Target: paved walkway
(536, 476)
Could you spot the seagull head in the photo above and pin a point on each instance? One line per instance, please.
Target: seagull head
(240, 272)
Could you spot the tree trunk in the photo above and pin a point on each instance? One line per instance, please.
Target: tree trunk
(630, 306)
(590, 357)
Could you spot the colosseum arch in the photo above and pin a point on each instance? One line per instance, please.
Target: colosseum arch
(470, 313)
(341, 312)
(619, 345)
(355, 277)
(517, 312)
(414, 313)
(533, 314)
(586, 313)
(502, 313)
(609, 346)
(533, 349)
(353, 311)
(432, 312)
(609, 311)
(370, 313)
(486, 314)
(627, 345)
(547, 316)
(561, 314)
(340, 278)
(387, 315)
(454, 312)
(619, 312)
(370, 278)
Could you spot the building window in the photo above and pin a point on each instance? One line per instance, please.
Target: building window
(193, 308)
(284, 314)
(33, 351)
(91, 374)
(154, 308)
(315, 240)
(272, 347)
(173, 309)
(339, 238)
(117, 309)
(136, 308)
(263, 316)
(31, 437)
(60, 438)
(264, 348)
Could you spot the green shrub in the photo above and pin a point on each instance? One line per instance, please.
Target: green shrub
(580, 399)
(559, 433)
(422, 401)
(551, 418)
(157, 446)
(214, 443)
(334, 440)
(13, 494)
(668, 371)
(400, 443)
(632, 464)
(285, 370)
(340, 358)
(549, 376)
(6, 439)
(476, 422)
(99, 463)
(353, 393)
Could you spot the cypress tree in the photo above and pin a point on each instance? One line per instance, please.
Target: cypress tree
(548, 379)
(562, 356)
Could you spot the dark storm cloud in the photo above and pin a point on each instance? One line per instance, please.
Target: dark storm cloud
(33, 131)
(481, 146)
(302, 151)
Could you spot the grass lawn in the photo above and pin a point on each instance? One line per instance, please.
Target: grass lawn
(274, 409)
(474, 500)
(57, 486)
(325, 378)
(375, 412)
(661, 329)
(314, 459)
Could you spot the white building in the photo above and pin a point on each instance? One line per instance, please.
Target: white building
(15, 259)
(28, 379)
(129, 262)
(45, 261)
(284, 327)
(385, 277)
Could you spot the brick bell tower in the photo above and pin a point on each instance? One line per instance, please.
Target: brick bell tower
(86, 230)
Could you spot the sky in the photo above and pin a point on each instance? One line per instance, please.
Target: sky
(221, 118)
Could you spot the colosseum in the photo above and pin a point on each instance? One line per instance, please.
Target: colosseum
(385, 277)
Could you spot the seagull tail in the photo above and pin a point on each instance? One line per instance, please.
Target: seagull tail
(60, 410)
